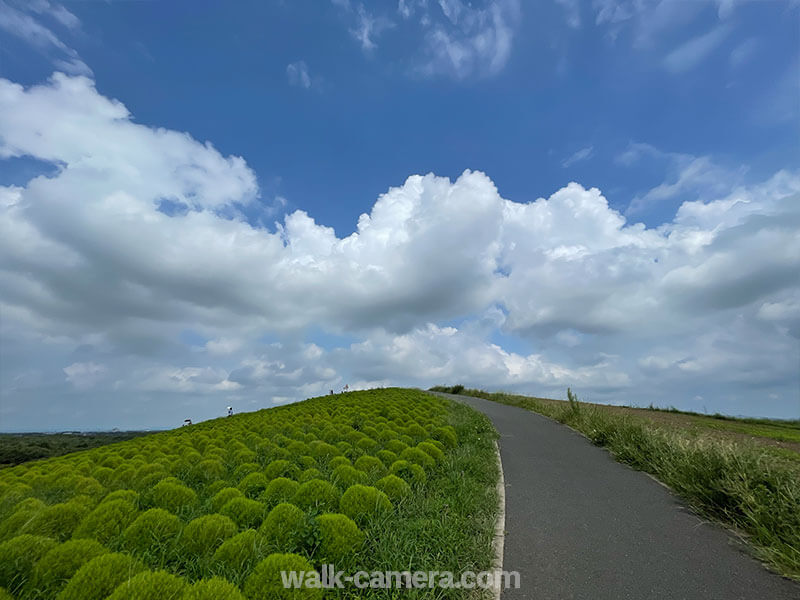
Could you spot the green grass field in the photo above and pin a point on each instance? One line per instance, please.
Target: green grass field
(742, 481)
(384, 480)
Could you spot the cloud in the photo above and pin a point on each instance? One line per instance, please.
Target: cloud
(470, 41)
(742, 53)
(297, 73)
(434, 281)
(460, 40)
(572, 8)
(689, 176)
(691, 53)
(23, 25)
(579, 156)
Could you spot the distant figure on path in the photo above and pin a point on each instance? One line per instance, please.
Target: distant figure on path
(230, 411)
(187, 422)
(346, 388)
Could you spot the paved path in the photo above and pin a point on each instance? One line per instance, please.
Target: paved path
(580, 525)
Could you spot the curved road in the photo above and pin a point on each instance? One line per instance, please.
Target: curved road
(580, 525)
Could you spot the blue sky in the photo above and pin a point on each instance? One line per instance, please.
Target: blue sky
(684, 115)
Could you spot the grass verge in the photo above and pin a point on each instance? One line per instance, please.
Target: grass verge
(740, 484)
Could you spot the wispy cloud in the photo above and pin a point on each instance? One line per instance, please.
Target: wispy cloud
(297, 73)
(470, 41)
(572, 9)
(28, 28)
(690, 54)
(581, 155)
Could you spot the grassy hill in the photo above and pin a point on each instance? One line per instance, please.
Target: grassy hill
(388, 480)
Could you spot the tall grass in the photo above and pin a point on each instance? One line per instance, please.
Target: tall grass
(739, 484)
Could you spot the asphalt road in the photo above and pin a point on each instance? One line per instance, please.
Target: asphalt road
(580, 525)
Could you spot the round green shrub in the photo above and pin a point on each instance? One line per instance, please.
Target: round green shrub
(396, 446)
(431, 450)
(245, 469)
(17, 557)
(209, 470)
(4, 595)
(307, 462)
(309, 474)
(215, 588)
(324, 450)
(394, 487)
(417, 432)
(236, 552)
(298, 448)
(106, 521)
(172, 496)
(279, 490)
(13, 495)
(55, 569)
(366, 444)
(99, 577)
(151, 530)
(204, 534)
(57, 521)
(371, 465)
(24, 511)
(316, 494)
(344, 476)
(216, 486)
(253, 484)
(244, 512)
(337, 461)
(265, 580)
(280, 468)
(148, 585)
(127, 495)
(338, 537)
(445, 434)
(410, 472)
(285, 527)
(415, 455)
(362, 501)
(103, 474)
(223, 496)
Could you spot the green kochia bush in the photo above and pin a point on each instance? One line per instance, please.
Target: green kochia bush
(394, 487)
(99, 577)
(265, 580)
(415, 455)
(362, 501)
(371, 465)
(215, 588)
(244, 512)
(338, 537)
(223, 496)
(344, 476)
(54, 570)
(286, 527)
(280, 468)
(410, 472)
(57, 521)
(17, 557)
(106, 521)
(253, 484)
(235, 553)
(279, 490)
(151, 530)
(316, 495)
(172, 496)
(151, 586)
(204, 534)
(24, 512)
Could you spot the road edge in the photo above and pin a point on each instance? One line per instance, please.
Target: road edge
(499, 528)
